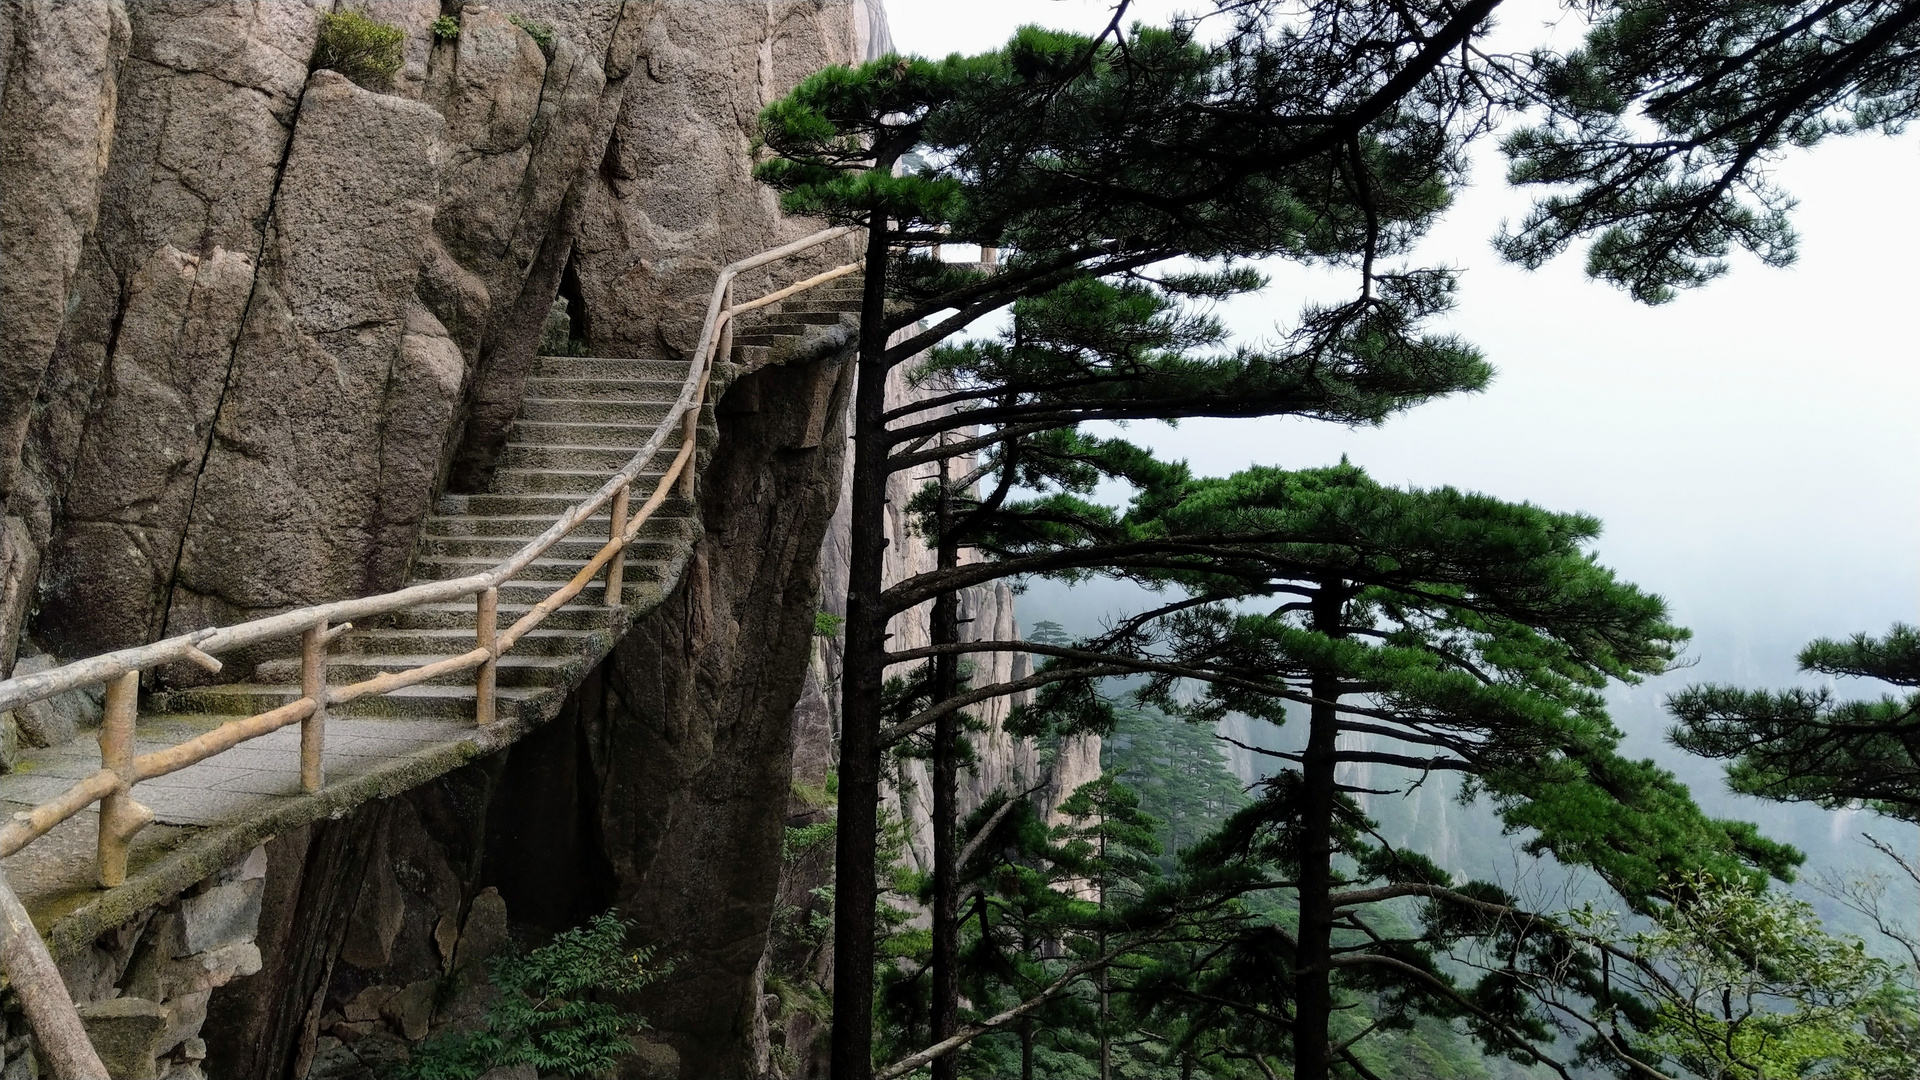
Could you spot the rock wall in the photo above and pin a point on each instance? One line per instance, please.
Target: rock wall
(143, 989)
(254, 317)
(242, 401)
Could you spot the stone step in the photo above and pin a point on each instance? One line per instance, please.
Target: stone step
(564, 433)
(448, 567)
(576, 482)
(448, 641)
(551, 504)
(515, 669)
(583, 410)
(607, 459)
(457, 616)
(577, 548)
(815, 302)
(520, 528)
(771, 333)
(428, 701)
(608, 367)
(638, 589)
(804, 315)
(751, 355)
(639, 391)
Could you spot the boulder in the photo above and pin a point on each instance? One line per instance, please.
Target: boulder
(411, 1009)
(221, 916)
(128, 1033)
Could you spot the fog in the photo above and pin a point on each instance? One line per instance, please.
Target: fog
(1750, 446)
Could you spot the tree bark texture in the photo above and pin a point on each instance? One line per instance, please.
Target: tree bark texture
(945, 630)
(1313, 987)
(855, 892)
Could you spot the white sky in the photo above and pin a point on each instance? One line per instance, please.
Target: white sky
(1751, 447)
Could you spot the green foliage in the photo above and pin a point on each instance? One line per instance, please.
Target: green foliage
(1807, 745)
(547, 1016)
(1660, 133)
(541, 33)
(446, 28)
(826, 624)
(1180, 774)
(1748, 985)
(801, 838)
(1483, 624)
(362, 49)
(1048, 632)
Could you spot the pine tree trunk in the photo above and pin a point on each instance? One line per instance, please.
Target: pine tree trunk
(1313, 986)
(1106, 1042)
(855, 892)
(1027, 945)
(946, 797)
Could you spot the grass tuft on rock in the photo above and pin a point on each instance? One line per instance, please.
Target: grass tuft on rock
(446, 28)
(540, 32)
(363, 49)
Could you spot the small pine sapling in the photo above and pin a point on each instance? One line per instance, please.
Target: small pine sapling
(546, 1015)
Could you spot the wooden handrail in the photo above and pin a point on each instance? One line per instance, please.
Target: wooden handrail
(321, 623)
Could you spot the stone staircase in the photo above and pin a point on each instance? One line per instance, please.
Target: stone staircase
(582, 418)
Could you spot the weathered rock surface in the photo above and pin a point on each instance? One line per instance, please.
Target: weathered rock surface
(254, 305)
(262, 319)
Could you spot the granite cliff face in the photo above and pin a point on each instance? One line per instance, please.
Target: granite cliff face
(255, 319)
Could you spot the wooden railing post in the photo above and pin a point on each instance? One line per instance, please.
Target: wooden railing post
(617, 566)
(120, 816)
(486, 621)
(61, 1037)
(313, 730)
(690, 433)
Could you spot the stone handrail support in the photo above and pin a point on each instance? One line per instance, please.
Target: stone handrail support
(317, 625)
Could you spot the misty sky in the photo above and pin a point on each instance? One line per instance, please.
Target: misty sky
(1751, 446)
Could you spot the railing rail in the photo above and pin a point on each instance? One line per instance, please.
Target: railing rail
(318, 624)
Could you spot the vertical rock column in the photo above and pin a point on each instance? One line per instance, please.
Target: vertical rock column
(285, 509)
(59, 67)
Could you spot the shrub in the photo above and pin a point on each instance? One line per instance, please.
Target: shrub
(366, 51)
(545, 1016)
(540, 32)
(446, 28)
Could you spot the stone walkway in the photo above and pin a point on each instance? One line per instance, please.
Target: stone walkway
(245, 780)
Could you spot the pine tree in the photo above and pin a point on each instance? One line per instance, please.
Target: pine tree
(1179, 772)
(1055, 150)
(1660, 132)
(1807, 745)
(1323, 132)
(1419, 631)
